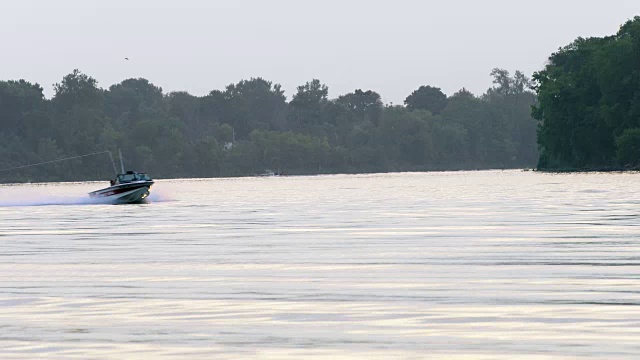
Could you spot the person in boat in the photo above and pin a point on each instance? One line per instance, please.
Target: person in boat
(112, 182)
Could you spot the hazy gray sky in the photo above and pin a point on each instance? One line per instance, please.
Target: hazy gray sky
(391, 47)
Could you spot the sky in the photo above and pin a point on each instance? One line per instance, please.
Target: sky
(391, 47)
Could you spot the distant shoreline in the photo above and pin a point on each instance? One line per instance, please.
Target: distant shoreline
(608, 169)
(548, 171)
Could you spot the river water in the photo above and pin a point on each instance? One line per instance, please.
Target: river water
(465, 265)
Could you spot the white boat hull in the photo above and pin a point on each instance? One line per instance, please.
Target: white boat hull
(129, 193)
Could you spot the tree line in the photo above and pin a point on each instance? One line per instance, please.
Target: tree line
(589, 103)
(250, 126)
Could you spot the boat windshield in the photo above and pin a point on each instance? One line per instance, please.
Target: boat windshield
(125, 178)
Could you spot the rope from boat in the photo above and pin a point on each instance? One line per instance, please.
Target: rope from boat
(58, 160)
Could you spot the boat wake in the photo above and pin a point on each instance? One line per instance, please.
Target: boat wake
(23, 198)
(47, 201)
(159, 196)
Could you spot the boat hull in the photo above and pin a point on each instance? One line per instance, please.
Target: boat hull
(129, 193)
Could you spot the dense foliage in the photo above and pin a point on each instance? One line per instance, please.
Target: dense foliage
(249, 127)
(589, 103)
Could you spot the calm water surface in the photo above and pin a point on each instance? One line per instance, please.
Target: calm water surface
(469, 265)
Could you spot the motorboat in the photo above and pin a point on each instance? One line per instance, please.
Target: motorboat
(128, 188)
(269, 172)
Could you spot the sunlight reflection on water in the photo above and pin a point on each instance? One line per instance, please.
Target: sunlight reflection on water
(495, 265)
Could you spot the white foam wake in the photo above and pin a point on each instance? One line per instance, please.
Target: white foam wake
(12, 197)
(47, 200)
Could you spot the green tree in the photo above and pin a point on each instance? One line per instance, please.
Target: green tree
(77, 89)
(363, 105)
(186, 108)
(406, 137)
(628, 147)
(16, 99)
(254, 104)
(587, 97)
(512, 127)
(308, 106)
(427, 98)
(133, 100)
(465, 111)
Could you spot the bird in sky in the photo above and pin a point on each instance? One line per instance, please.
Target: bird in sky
(126, 58)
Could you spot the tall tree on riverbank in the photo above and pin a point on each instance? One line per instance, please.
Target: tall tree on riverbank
(427, 98)
(589, 102)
